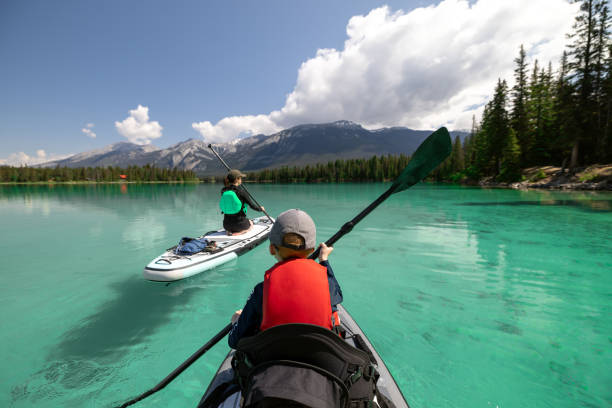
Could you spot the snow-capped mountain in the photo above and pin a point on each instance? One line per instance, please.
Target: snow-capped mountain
(297, 146)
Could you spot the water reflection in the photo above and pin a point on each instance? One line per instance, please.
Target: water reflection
(89, 352)
(480, 275)
(590, 205)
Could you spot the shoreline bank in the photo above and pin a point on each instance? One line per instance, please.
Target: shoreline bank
(596, 177)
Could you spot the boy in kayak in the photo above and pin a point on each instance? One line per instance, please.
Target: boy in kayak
(233, 204)
(295, 289)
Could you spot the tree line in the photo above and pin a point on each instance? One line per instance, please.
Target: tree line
(376, 168)
(145, 173)
(558, 118)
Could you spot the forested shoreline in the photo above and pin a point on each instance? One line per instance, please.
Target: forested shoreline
(558, 118)
(108, 174)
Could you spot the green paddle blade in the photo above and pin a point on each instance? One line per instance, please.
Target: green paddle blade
(433, 151)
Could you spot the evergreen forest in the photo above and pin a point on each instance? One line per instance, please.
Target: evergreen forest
(145, 173)
(560, 118)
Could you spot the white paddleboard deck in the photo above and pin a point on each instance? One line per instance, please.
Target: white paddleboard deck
(171, 267)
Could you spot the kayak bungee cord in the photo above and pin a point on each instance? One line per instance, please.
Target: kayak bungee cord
(429, 155)
(241, 185)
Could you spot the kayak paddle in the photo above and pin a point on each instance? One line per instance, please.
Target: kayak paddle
(241, 185)
(433, 151)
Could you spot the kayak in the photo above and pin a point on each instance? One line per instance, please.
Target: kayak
(170, 266)
(386, 384)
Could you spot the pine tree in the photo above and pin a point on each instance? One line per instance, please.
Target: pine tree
(457, 163)
(583, 70)
(607, 108)
(534, 115)
(511, 159)
(602, 76)
(518, 117)
(564, 124)
(495, 129)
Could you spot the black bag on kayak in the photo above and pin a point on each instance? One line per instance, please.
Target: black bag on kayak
(303, 365)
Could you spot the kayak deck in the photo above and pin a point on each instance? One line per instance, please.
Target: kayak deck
(386, 383)
(171, 267)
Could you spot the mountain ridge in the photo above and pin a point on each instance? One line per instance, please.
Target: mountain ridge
(297, 146)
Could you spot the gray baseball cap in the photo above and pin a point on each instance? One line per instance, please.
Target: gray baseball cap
(234, 175)
(297, 222)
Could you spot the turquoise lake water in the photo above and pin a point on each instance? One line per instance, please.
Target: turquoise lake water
(473, 297)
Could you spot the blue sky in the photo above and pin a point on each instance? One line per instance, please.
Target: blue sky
(161, 72)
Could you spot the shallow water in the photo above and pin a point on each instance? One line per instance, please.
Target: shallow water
(474, 297)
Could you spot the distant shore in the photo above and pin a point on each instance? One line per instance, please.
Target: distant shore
(591, 178)
(597, 177)
(87, 182)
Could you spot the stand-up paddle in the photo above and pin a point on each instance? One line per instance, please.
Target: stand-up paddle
(243, 187)
(430, 154)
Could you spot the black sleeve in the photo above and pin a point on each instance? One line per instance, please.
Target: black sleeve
(335, 292)
(245, 198)
(250, 319)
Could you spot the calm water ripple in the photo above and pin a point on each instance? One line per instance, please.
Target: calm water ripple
(474, 298)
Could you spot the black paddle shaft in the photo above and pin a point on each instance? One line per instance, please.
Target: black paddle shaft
(243, 187)
(348, 227)
(433, 151)
(182, 367)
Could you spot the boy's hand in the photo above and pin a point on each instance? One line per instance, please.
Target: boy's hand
(324, 251)
(236, 315)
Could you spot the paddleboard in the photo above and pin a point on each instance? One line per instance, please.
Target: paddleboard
(170, 266)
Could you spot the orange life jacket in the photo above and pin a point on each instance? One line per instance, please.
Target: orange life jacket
(296, 291)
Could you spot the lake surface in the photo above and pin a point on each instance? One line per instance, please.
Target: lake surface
(474, 297)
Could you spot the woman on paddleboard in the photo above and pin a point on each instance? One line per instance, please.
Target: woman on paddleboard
(233, 204)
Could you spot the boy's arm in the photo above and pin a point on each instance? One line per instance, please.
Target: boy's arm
(250, 319)
(335, 292)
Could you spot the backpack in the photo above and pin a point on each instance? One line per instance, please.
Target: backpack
(230, 203)
(190, 246)
(303, 365)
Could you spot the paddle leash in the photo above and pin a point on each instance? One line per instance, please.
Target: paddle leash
(243, 187)
(182, 367)
(430, 154)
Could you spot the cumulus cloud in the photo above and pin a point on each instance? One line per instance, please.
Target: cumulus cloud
(230, 128)
(87, 130)
(23, 159)
(422, 69)
(137, 128)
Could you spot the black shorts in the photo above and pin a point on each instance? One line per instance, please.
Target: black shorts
(236, 224)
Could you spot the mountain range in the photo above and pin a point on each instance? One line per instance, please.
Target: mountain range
(296, 146)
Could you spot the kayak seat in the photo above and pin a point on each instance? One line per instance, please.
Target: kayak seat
(303, 364)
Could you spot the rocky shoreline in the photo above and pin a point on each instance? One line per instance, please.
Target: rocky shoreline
(592, 178)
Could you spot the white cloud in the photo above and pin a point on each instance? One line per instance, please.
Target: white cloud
(232, 127)
(87, 130)
(23, 159)
(137, 128)
(429, 67)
